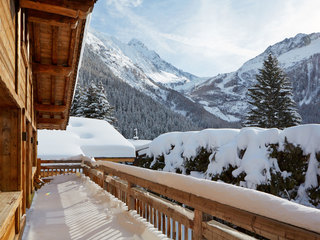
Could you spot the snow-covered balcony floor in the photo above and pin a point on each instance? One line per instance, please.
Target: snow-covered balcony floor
(73, 207)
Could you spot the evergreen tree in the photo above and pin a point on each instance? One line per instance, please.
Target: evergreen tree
(79, 101)
(271, 100)
(92, 103)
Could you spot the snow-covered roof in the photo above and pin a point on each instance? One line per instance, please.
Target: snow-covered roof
(84, 136)
(140, 144)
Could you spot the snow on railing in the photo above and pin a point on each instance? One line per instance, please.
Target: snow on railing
(200, 208)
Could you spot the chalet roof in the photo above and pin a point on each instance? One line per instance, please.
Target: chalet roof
(87, 137)
(56, 30)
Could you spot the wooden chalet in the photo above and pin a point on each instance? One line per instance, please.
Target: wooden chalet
(40, 47)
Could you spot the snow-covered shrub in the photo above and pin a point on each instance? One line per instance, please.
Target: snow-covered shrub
(314, 192)
(199, 162)
(227, 177)
(286, 179)
(143, 161)
(285, 163)
(158, 163)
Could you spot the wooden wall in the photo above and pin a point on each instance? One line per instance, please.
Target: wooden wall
(10, 160)
(17, 115)
(16, 83)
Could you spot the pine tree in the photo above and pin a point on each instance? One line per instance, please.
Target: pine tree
(79, 101)
(92, 103)
(271, 100)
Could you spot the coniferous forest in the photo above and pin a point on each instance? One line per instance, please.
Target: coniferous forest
(132, 109)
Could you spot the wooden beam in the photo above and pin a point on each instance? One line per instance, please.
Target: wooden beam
(55, 46)
(50, 108)
(51, 19)
(55, 50)
(72, 10)
(45, 7)
(52, 69)
(36, 42)
(53, 121)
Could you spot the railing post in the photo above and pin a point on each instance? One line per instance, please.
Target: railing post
(38, 173)
(197, 230)
(130, 198)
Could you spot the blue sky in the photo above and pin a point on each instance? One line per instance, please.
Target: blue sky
(206, 37)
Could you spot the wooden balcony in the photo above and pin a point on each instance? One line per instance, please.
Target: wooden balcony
(188, 215)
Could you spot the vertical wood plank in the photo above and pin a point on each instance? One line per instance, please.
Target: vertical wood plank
(197, 230)
(10, 179)
(179, 231)
(28, 166)
(163, 223)
(17, 49)
(17, 220)
(169, 227)
(147, 212)
(159, 220)
(186, 233)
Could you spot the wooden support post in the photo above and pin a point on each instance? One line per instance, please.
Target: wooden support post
(197, 230)
(38, 167)
(130, 198)
(17, 220)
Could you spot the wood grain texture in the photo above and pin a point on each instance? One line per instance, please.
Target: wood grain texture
(35, 16)
(9, 159)
(9, 202)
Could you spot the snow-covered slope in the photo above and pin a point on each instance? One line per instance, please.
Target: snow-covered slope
(225, 94)
(222, 96)
(145, 63)
(144, 70)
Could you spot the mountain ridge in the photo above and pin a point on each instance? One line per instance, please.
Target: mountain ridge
(221, 98)
(298, 56)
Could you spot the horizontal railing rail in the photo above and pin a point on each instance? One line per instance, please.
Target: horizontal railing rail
(183, 215)
(49, 168)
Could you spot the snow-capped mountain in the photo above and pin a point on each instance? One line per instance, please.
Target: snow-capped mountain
(225, 94)
(147, 63)
(144, 70)
(221, 99)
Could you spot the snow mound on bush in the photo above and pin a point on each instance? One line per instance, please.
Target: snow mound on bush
(246, 149)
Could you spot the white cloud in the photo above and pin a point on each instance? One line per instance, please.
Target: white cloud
(221, 34)
(124, 3)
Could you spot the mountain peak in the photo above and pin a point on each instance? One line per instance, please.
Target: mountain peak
(136, 42)
(288, 44)
(143, 49)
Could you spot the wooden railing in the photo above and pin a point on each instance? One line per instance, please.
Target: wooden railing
(48, 168)
(207, 219)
